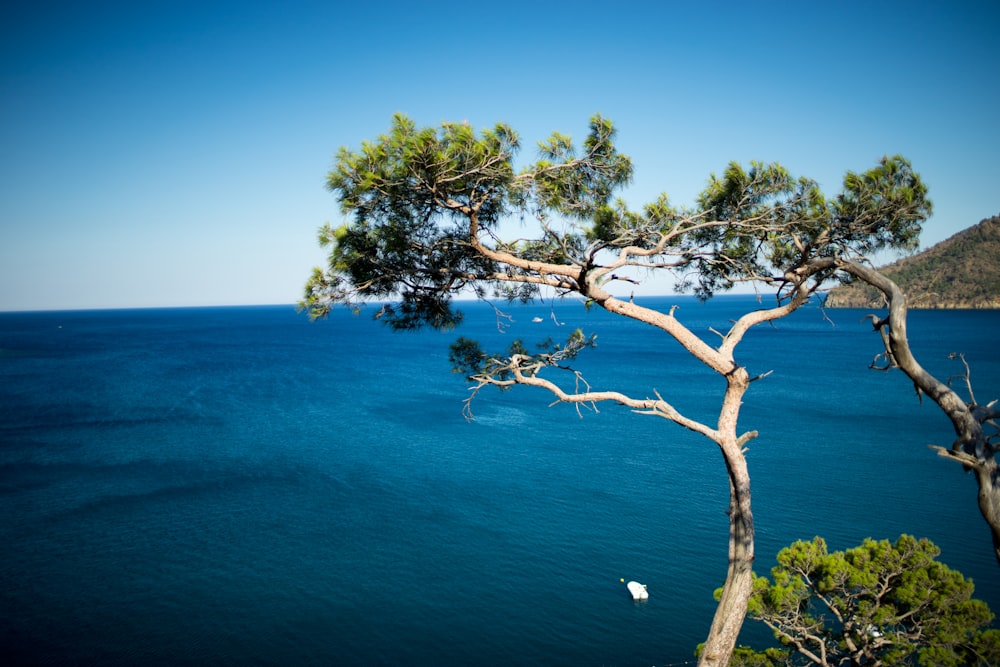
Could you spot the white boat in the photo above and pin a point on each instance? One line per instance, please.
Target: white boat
(637, 590)
(536, 319)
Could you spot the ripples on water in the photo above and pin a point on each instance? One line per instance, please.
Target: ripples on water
(239, 486)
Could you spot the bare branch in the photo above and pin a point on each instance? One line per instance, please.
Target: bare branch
(966, 376)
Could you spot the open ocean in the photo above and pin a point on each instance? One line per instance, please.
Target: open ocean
(239, 486)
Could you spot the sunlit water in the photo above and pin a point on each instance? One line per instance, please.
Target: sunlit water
(241, 486)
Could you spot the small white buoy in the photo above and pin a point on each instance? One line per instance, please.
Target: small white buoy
(637, 590)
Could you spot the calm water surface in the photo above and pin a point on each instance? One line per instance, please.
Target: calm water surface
(241, 486)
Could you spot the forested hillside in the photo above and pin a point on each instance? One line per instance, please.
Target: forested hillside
(960, 272)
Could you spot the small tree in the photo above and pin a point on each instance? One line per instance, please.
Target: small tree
(876, 604)
(426, 205)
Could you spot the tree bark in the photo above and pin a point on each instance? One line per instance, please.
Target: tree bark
(971, 447)
(732, 608)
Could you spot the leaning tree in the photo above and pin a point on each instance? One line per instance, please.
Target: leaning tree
(977, 434)
(426, 208)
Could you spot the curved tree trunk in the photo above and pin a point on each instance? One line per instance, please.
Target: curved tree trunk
(971, 447)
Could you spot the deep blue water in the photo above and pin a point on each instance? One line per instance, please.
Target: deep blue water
(242, 486)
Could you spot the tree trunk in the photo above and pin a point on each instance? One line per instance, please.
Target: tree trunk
(988, 477)
(732, 608)
(971, 447)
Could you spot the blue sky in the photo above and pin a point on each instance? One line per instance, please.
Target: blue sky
(174, 153)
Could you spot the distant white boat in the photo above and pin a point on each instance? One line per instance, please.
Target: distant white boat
(536, 319)
(637, 590)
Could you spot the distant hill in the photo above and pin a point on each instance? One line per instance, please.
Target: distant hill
(960, 272)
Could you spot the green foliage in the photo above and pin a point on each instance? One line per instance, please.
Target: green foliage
(774, 223)
(419, 197)
(881, 208)
(424, 205)
(580, 192)
(744, 656)
(881, 602)
(750, 202)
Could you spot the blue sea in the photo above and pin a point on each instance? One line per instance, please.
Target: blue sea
(240, 486)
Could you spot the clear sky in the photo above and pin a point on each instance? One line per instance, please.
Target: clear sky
(174, 153)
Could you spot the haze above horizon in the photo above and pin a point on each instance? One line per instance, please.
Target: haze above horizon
(174, 153)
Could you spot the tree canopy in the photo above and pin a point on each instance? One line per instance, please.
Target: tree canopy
(425, 205)
(878, 603)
